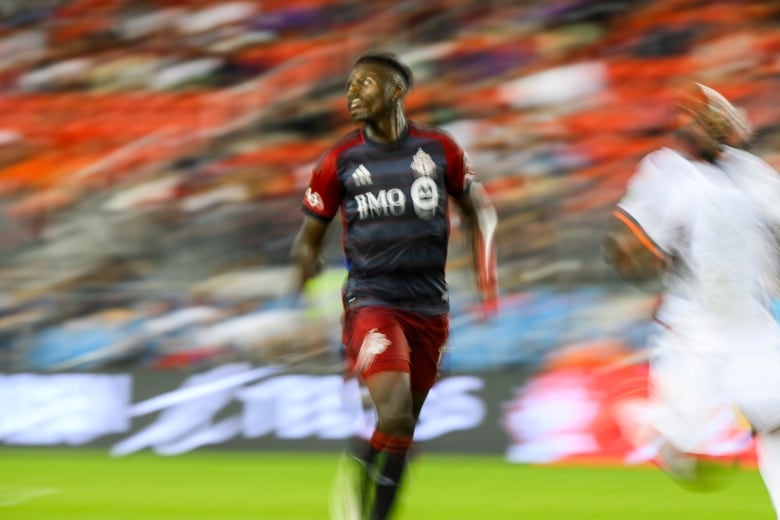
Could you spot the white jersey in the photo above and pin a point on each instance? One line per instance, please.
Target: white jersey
(762, 184)
(720, 343)
(716, 223)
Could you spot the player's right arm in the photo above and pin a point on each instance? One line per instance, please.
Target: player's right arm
(644, 226)
(306, 250)
(320, 204)
(628, 250)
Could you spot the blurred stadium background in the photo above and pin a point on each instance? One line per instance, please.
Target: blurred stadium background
(152, 158)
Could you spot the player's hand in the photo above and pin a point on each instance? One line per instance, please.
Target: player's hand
(487, 310)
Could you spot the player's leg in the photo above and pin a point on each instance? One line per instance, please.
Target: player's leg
(430, 335)
(684, 415)
(350, 483)
(359, 448)
(754, 378)
(418, 400)
(361, 456)
(379, 353)
(768, 451)
(354, 487)
(391, 393)
(768, 448)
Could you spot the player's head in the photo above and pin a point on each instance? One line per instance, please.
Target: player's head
(377, 86)
(731, 124)
(696, 123)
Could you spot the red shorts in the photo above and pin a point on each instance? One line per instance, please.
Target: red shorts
(383, 339)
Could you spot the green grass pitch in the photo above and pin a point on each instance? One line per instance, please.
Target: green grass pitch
(90, 485)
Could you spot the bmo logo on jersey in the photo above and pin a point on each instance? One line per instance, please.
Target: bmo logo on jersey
(392, 202)
(382, 203)
(424, 192)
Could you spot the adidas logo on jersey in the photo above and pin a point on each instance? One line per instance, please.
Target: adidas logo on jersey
(362, 176)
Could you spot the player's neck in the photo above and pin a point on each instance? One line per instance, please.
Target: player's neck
(388, 129)
(691, 151)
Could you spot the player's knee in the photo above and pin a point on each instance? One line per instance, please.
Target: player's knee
(397, 423)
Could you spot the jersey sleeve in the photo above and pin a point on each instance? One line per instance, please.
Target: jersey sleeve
(322, 198)
(460, 173)
(650, 207)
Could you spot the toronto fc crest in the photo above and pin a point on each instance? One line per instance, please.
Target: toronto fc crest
(423, 164)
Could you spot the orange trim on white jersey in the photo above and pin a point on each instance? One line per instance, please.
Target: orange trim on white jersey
(639, 233)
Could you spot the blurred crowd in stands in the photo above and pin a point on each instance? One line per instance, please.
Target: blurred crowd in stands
(153, 154)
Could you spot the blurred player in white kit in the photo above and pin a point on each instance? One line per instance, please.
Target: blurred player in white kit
(704, 218)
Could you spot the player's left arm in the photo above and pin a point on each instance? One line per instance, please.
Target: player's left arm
(480, 222)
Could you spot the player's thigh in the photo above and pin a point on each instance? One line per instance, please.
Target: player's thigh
(427, 336)
(375, 342)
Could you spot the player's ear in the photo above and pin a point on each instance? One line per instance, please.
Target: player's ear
(399, 91)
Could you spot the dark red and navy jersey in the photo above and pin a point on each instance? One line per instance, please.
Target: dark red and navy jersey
(393, 202)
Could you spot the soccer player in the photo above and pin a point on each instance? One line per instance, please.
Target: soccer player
(390, 180)
(704, 218)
